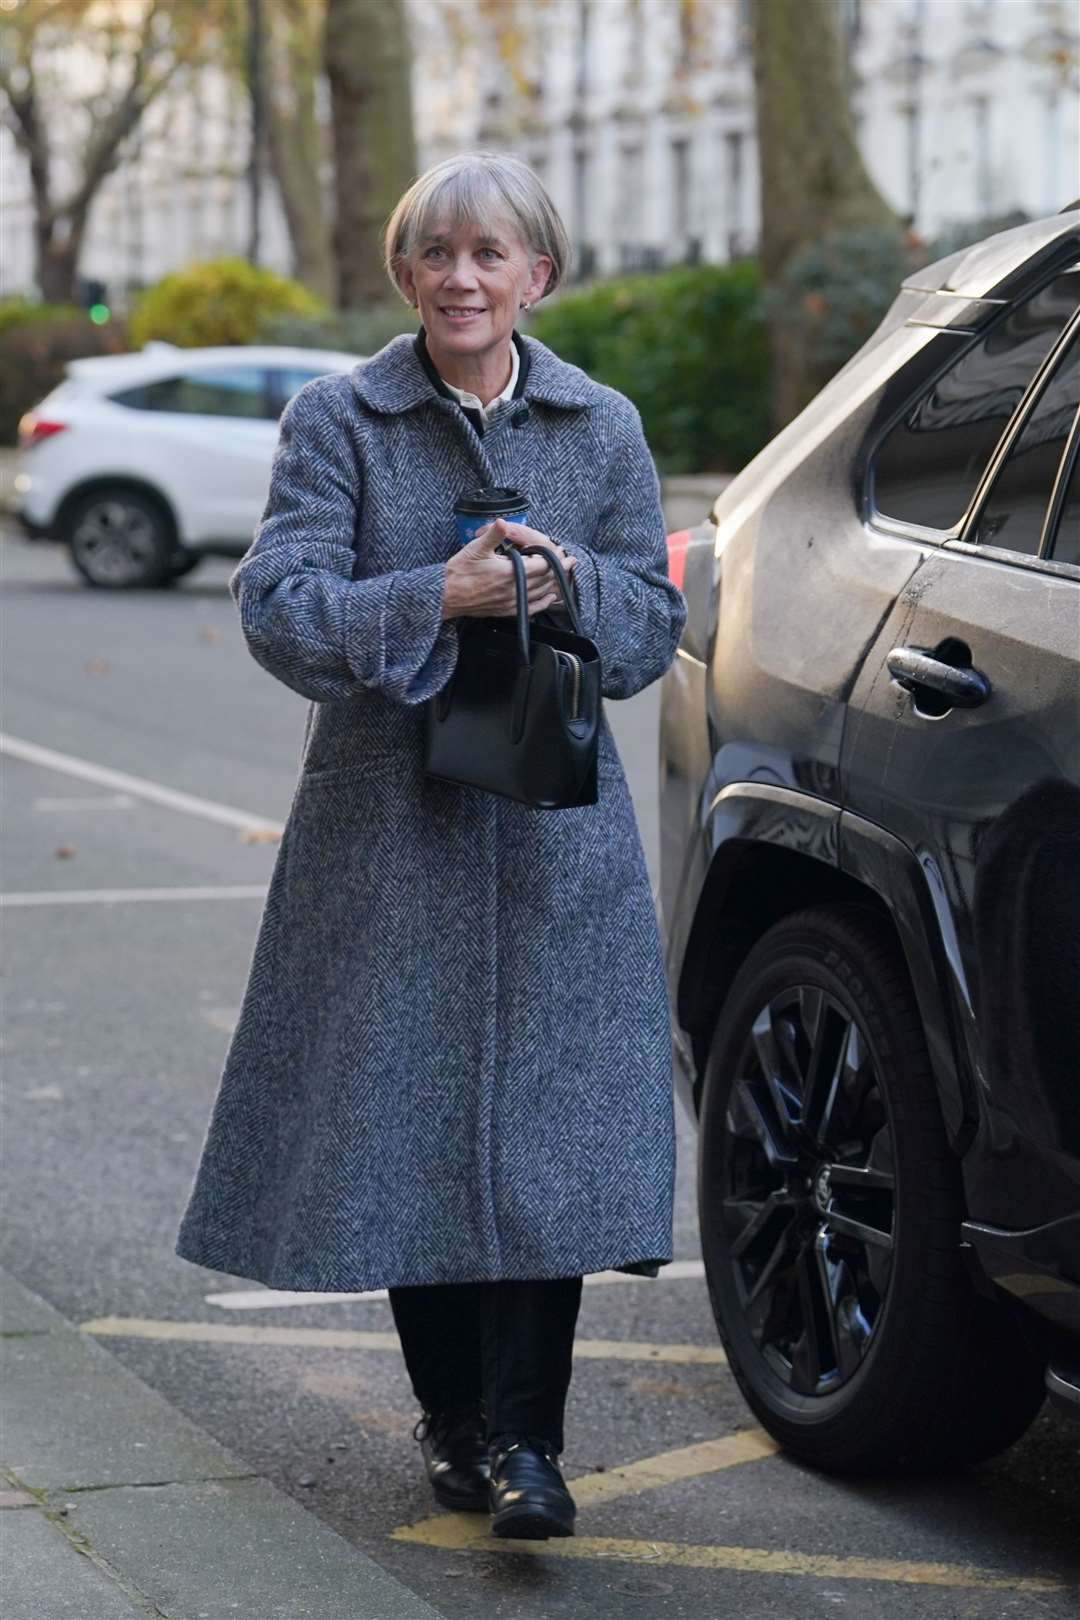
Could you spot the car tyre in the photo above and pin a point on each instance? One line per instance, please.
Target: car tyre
(120, 539)
(830, 1207)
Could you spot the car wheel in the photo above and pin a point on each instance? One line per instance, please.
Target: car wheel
(830, 1209)
(119, 539)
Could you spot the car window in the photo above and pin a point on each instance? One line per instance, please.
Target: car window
(1014, 512)
(288, 381)
(1066, 546)
(928, 466)
(211, 391)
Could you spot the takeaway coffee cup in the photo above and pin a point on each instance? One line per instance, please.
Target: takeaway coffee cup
(474, 512)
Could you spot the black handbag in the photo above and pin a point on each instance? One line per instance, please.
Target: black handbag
(520, 716)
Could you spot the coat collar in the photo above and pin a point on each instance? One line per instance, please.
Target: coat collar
(394, 380)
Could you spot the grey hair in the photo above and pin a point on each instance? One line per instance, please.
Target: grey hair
(479, 187)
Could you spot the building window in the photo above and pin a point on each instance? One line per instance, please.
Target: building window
(734, 186)
(635, 44)
(584, 32)
(744, 27)
(579, 213)
(984, 183)
(630, 198)
(851, 18)
(680, 190)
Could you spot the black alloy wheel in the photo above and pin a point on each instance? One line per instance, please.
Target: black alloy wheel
(830, 1207)
(807, 1164)
(120, 539)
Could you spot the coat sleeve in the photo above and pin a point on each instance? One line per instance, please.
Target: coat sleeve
(629, 605)
(304, 617)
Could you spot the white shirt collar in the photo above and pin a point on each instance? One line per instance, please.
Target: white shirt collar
(470, 401)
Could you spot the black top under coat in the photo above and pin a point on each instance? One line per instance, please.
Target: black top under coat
(477, 420)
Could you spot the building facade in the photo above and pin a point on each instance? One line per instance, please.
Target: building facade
(639, 116)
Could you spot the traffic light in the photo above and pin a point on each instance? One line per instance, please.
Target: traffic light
(91, 295)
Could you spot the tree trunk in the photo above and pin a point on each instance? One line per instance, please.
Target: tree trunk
(368, 64)
(813, 179)
(296, 145)
(57, 268)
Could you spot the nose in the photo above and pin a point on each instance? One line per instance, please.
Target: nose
(461, 272)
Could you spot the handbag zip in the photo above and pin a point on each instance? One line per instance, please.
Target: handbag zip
(575, 664)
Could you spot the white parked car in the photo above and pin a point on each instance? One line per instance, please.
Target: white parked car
(145, 463)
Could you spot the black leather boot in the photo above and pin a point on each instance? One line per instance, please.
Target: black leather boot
(529, 1498)
(456, 1458)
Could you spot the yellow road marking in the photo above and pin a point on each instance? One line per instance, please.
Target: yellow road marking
(454, 1532)
(140, 1327)
(688, 1462)
(458, 1531)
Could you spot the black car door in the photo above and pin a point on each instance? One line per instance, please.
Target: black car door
(964, 741)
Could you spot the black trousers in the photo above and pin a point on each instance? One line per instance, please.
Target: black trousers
(505, 1348)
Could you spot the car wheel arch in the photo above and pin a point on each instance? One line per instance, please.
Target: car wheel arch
(119, 481)
(752, 884)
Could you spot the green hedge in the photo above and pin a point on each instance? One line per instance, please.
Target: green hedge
(351, 331)
(36, 342)
(224, 301)
(833, 295)
(687, 346)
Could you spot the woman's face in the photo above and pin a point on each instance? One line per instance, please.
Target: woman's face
(469, 286)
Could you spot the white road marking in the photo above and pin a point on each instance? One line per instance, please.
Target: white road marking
(112, 897)
(96, 801)
(274, 1299)
(189, 804)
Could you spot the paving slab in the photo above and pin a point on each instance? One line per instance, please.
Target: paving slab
(23, 1312)
(237, 1547)
(73, 1416)
(158, 1519)
(46, 1578)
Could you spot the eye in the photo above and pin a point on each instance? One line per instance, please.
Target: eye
(490, 253)
(434, 252)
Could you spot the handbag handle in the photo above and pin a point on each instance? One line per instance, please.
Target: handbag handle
(570, 597)
(522, 592)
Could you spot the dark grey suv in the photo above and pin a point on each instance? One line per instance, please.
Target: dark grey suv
(870, 836)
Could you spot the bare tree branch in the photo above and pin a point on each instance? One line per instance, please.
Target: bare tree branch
(168, 36)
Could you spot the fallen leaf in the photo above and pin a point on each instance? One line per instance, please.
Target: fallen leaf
(97, 666)
(260, 835)
(209, 633)
(64, 852)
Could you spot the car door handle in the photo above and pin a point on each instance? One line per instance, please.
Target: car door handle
(913, 668)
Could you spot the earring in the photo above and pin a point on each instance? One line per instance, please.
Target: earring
(526, 305)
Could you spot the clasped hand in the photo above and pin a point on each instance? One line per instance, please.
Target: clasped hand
(480, 584)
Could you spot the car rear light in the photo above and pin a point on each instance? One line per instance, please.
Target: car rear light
(676, 551)
(33, 429)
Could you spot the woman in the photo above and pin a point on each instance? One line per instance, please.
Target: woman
(451, 1073)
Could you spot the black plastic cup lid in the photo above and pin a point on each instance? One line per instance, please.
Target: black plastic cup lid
(491, 503)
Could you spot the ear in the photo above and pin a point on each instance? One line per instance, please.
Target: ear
(406, 282)
(538, 279)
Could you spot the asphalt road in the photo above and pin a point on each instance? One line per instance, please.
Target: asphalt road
(118, 1015)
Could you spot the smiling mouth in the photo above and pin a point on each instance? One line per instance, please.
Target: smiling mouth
(454, 312)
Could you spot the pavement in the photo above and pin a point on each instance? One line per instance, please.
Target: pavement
(224, 1450)
(118, 1506)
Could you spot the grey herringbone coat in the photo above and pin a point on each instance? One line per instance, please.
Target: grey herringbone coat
(453, 1058)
